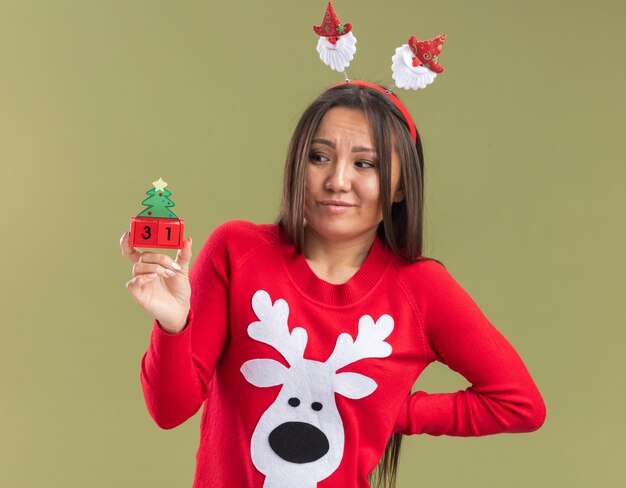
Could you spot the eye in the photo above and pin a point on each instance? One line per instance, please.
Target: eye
(317, 406)
(316, 157)
(294, 402)
(365, 164)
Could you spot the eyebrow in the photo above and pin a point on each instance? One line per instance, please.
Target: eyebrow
(354, 149)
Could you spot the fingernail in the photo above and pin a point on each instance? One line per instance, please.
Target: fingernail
(151, 276)
(169, 272)
(175, 265)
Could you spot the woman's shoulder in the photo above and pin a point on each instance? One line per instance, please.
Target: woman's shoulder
(234, 240)
(423, 265)
(244, 229)
(243, 234)
(426, 273)
(429, 279)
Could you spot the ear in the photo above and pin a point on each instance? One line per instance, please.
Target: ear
(354, 385)
(264, 372)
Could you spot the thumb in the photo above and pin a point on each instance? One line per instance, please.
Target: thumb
(183, 256)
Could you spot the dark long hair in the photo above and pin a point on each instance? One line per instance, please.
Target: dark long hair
(402, 226)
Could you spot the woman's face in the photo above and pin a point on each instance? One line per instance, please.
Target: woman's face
(342, 200)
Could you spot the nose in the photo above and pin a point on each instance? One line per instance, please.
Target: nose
(338, 179)
(299, 442)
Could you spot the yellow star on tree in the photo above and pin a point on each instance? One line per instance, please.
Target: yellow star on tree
(160, 184)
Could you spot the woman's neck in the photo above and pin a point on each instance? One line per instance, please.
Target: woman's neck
(335, 261)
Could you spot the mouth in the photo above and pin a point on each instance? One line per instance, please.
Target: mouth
(335, 206)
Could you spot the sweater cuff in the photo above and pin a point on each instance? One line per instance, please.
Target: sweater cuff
(165, 343)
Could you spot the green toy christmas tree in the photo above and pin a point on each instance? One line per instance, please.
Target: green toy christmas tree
(158, 204)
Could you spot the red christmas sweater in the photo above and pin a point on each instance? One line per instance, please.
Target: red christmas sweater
(303, 381)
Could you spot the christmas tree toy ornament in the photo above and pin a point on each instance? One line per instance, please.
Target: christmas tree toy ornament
(416, 64)
(337, 44)
(157, 226)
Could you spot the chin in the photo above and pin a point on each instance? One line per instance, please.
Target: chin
(338, 231)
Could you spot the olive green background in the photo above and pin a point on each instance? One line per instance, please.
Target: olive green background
(524, 141)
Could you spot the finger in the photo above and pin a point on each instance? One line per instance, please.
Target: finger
(128, 251)
(139, 281)
(183, 256)
(142, 268)
(158, 258)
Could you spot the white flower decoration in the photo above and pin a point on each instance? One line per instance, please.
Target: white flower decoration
(338, 55)
(405, 74)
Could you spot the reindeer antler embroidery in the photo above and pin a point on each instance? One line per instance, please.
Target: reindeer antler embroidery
(273, 330)
(369, 343)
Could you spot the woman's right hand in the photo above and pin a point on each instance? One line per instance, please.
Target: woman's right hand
(160, 284)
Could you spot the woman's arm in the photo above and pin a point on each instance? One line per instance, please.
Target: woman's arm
(176, 368)
(502, 397)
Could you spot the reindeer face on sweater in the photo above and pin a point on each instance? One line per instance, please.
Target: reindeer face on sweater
(299, 439)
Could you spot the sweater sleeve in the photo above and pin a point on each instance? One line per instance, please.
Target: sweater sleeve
(502, 397)
(176, 368)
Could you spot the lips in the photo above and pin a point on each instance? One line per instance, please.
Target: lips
(335, 206)
(336, 203)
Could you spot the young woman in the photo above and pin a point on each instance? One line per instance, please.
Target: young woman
(304, 338)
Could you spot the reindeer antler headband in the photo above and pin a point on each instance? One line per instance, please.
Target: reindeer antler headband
(414, 65)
